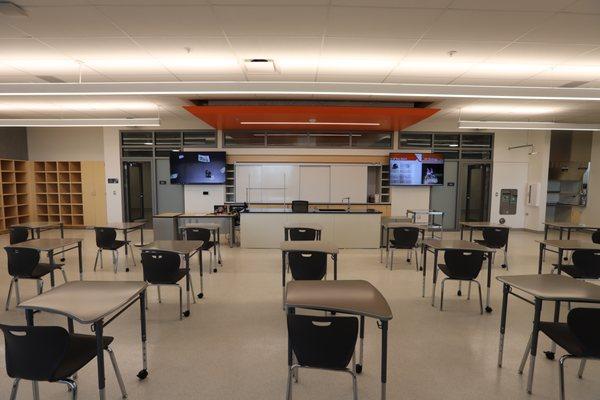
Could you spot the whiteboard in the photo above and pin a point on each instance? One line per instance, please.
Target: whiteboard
(248, 176)
(275, 178)
(315, 183)
(349, 181)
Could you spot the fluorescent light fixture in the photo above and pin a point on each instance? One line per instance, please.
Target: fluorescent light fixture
(453, 145)
(507, 109)
(527, 125)
(79, 122)
(309, 123)
(50, 106)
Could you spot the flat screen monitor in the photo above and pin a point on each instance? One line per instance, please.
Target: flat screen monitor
(198, 168)
(416, 169)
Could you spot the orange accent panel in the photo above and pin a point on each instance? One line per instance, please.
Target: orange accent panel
(386, 118)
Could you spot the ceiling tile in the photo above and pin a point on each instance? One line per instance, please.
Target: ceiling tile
(26, 49)
(567, 28)
(484, 25)
(378, 48)
(512, 5)
(394, 3)
(60, 21)
(427, 80)
(585, 7)
(463, 80)
(466, 51)
(271, 2)
(165, 20)
(364, 78)
(379, 22)
(211, 77)
(541, 53)
(96, 48)
(290, 20)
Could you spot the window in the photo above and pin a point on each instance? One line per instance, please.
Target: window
(380, 140)
(167, 138)
(332, 139)
(448, 154)
(477, 155)
(286, 139)
(479, 141)
(446, 141)
(133, 138)
(200, 138)
(244, 139)
(137, 151)
(454, 146)
(421, 140)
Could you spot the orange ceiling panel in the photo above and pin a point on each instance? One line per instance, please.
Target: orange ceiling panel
(310, 118)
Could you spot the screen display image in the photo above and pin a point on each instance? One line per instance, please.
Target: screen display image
(414, 169)
(195, 168)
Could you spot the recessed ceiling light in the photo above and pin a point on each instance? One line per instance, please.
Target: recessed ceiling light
(309, 123)
(528, 125)
(507, 109)
(260, 66)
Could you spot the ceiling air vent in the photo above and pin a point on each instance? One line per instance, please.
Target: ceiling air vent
(260, 66)
(10, 9)
(574, 84)
(50, 79)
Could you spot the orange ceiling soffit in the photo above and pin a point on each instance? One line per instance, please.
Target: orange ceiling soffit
(310, 118)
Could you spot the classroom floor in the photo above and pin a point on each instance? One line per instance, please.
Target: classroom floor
(233, 346)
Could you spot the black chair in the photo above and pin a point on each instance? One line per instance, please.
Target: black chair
(580, 337)
(322, 342)
(596, 236)
(193, 233)
(404, 238)
(496, 238)
(307, 266)
(303, 234)
(106, 239)
(462, 265)
(24, 263)
(51, 354)
(586, 265)
(299, 206)
(161, 268)
(18, 234)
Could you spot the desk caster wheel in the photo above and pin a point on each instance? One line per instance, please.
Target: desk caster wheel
(488, 309)
(126, 269)
(549, 355)
(200, 295)
(142, 374)
(459, 293)
(504, 266)
(214, 270)
(186, 313)
(358, 368)
(62, 259)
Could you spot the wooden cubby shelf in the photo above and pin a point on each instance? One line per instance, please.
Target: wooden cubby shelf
(14, 197)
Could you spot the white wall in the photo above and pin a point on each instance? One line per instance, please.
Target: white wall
(65, 144)
(591, 214)
(407, 198)
(197, 202)
(537, 172)
(112, 163)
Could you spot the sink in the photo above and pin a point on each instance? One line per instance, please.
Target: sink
(341, 210)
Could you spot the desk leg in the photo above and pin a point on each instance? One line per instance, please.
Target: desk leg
(541, 257)
(534, 342)
(186, 313)
(144, 371)
(384, 345)
(201, 267)
(545, 232)
(387, 246)
(560, 258)
(505, 291)
(566, 257)
(334, 256)
(290, 360)
(560, 234)
(142, 235)
(80, 255)
(283, 278)
(488, 308)
(98, 329)
(381, 228)
(219, 244)
(126, 250)
(435, 259)
(550, 354)
(471, 234)
(51, 261)
(462, 232)
(361, 348)
(62, 236)
(286, 234)
(424, 268)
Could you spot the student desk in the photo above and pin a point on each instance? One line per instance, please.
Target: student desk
(316, 246)
(562, 227)
(347, 297)
(226, 222)
(300, 225)
(472, 226)
(95, 303)
(37, 227)
(560, 246)
(436, 245)
(431, 214)
(50, 245)
(215, 231)
(126, 228)
(556, 288)
(385, 221)
(185, 248)
(387, 226)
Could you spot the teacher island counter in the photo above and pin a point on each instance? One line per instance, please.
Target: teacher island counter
(355, 229)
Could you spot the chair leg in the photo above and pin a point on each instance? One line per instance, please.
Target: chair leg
(469, 291)
(17, 293)
(10, 287)
(480, 297)
(72, 385)
(505, 259)
(416, 258)
(36, 390)
(442, 295)
(391, 259)
(115, 260)
(288, 392)
(525, 356)
(64, 275)
(101, 259)
(40, 286)
(581, 368)
(561, 376)
(15, 389)
(96, 261)
(192, 289)
(159, 295)
(354, 386)
(131, 253)
(113, 360)
(180, 302)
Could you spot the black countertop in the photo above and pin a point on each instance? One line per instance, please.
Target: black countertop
(323, 211)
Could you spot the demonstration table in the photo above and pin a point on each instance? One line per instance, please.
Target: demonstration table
(346, 297)
(90, 303)
(50, 245)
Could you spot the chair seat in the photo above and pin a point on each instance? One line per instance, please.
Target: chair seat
(488, 245)
(561, 334)
(43, 269)
(207, 245)
(402, 246)
(578, 272)
(171, 279)
(456, 273)
(81, 350)
(117, 244)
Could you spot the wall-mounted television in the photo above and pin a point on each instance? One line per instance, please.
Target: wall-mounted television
(416, 169)
(198, 168)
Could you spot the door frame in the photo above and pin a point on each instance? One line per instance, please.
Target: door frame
(152, 178)
(488, 211)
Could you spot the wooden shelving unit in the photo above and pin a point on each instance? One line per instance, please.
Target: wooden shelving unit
(230, 184)
(59, 192)
(14, 193)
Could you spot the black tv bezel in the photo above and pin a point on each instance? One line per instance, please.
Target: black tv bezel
(197, 152)
(413, 184)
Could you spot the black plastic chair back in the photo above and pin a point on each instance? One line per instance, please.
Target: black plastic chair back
(463, 264)
(34, 352)
(22, 261)
(585, 325)
(307, 266)
(588, 262)
(495, 238)
(197, 234)
(160, 266)
(105, 237)
(18, 234)
(322, 342)
(596, 237)
(303, 234)
(300, 206)
(405, 238)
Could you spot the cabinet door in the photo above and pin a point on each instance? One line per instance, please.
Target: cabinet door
(314, 183)
(279, 183)
(94, 193)
(349, 181)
